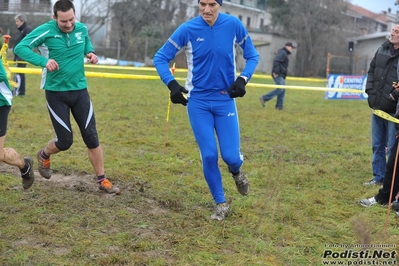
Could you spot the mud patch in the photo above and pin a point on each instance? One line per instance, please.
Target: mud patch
(80, 182)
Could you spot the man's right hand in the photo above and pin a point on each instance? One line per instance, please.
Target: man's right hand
(52, 65)
(176, 93)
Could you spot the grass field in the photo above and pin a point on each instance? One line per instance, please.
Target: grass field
(306, 166)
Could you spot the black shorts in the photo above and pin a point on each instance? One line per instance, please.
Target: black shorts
(4, 111)
(60, 105)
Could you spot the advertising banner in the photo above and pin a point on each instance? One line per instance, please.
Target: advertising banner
(346, 81)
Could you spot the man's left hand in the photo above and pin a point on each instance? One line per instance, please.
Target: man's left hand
(237, 89)
(92, 58)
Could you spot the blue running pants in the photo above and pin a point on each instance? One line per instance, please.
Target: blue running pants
(212, 122)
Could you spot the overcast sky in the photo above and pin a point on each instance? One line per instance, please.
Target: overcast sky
(377, 6)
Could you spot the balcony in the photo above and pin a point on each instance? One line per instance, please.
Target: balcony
(6, 7)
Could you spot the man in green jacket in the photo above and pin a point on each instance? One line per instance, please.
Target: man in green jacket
(63, 43)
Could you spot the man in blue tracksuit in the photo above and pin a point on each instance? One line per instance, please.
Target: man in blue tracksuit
(210, 42)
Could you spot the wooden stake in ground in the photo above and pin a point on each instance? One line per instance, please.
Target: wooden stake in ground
(167, 115)
(391, 191)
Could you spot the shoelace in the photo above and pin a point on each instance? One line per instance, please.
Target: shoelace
(46, 163)
(105, 183)
(240, 179)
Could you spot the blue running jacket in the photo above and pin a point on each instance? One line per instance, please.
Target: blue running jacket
(210, 54)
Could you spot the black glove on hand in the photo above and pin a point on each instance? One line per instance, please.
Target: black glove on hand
(237, 89)
(176, 93)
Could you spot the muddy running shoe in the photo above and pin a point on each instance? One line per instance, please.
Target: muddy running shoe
(395, 206)
(43, 165)
(221, 211)
(368, 202)
(106, 185)
(242, 182)
(372, 182)
(262, 102)
(28, 177)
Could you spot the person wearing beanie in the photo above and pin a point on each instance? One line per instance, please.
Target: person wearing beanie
(220, 2)
(210, 41)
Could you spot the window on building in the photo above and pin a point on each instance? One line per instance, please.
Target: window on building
(262, 23)
(240, 17)
(45, 5)
(25, 5)
(4, 5)
(248, 22)
(261, 4)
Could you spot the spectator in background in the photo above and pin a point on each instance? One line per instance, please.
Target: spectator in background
(384, 194)
(381, 76)
(24, 29)
(279, 73)
(210, 41)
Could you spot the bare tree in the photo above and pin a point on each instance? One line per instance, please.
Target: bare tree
(142, 26)
(94, 13)
(316, 25)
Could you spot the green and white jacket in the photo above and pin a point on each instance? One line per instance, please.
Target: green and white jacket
(5, 89)
(67, 49)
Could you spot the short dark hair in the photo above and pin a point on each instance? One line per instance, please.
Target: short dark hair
(63, 5)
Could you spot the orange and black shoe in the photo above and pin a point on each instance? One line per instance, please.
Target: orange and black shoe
(43, 165)
(106, 185)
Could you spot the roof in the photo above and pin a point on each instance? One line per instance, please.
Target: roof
(260, 43)
(382, 18)
(375, 35)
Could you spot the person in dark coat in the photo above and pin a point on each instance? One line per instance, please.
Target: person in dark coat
(279, 73)
(383, 90)
(382, 74)
(24, 29)
(385, 196)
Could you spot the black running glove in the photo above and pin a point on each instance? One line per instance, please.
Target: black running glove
(176, 93)
(237, 89)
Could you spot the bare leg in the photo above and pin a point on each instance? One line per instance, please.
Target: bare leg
(25, 165)
(51, 148)
(10, 156)
(97, 160)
